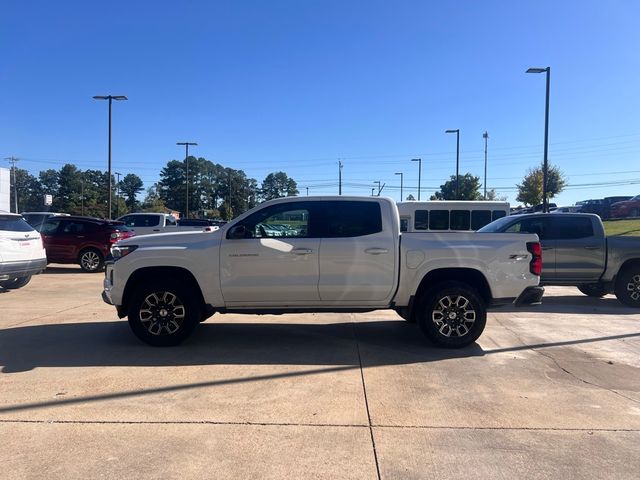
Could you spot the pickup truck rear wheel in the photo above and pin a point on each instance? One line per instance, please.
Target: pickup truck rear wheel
(593, 289)
(452, 315)
(163, 314)
(628, 286)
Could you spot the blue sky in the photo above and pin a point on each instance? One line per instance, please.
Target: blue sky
(297, 85)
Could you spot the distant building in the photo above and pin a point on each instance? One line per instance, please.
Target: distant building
(5, 189)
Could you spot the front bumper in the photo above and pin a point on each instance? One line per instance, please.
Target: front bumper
(530, 296)
(23, 268)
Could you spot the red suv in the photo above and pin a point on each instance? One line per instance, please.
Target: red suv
(629, 208)
(82, 240)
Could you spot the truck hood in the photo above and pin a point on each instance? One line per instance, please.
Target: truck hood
(171, 239)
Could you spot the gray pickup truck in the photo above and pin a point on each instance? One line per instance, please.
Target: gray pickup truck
(576, 252)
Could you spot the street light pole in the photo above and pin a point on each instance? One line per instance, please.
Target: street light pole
(457, 132)
(401, 177)
(118, 194)
(12, 161)
(339, 177)
(419, 160)
(485, 135)
(186, 161)
(545, 164)
(110, 98)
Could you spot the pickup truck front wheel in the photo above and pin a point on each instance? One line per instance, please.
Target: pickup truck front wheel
(453, 315)
(628, 286)
(163, 314)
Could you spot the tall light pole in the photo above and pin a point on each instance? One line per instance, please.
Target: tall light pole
(457, 132)
(419, 160)
(485, 135)
(401, 177)
(545, 165)
(117, 194)
(186, 161)
(307, 191)
(12, 161)
(340, 177)
(110, 98)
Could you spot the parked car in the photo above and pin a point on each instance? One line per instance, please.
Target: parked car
(569, 209)
(22, 253)
(82, 240)
(575, 251)
(149, 223)
(602, 207)
(35, 219)
(628, 208)
(348, 255)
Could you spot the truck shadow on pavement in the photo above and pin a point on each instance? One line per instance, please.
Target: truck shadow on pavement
(575, 304)
(355, 344)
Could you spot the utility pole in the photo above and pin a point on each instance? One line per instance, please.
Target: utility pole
(186, 161)
(12, 161)
(340, 177)
(379, 188)
(545, 162)
(307, 191)
(485, 135)
(457, 132)
(118, 194)
(82, 193)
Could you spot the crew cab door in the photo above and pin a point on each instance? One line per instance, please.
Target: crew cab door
(271, 258)
(580, 253)
(358, 253)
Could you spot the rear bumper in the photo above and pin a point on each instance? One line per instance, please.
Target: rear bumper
(23, 268)
(531, 295)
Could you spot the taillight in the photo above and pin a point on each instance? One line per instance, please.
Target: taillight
(114, 237)
(535, 265)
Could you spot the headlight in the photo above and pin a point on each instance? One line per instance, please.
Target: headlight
(119, 251)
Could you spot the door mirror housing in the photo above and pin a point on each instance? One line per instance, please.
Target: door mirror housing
(237, 232)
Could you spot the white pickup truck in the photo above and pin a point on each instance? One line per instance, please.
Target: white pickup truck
(320, 254)
(149, 223)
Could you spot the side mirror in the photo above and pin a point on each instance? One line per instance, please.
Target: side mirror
(237, 231)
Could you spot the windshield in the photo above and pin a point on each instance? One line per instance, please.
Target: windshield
(496, 226)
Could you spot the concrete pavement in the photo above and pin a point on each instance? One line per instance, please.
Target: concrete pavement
(546, 392)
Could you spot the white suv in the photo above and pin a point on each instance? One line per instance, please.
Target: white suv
(22, 253)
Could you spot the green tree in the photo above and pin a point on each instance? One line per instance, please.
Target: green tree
(493, 195)
(29, 191)
(153, 202)
(277, 185)
(130, 186)
(530, 190)
(469, 188)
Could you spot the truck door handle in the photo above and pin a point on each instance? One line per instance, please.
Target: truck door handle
(591, 247)
(156, 229)
(301, 251)
(376, 251)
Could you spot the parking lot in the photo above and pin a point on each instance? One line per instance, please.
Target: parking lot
(547, 392)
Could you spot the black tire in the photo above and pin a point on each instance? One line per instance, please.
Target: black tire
(595, 290)
(458, 300)
(15, 283)
(628, 286)
(163, 314)
(91, 260)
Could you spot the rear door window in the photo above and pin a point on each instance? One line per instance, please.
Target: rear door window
(571, 228)
(421, 221)
(351, 219)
